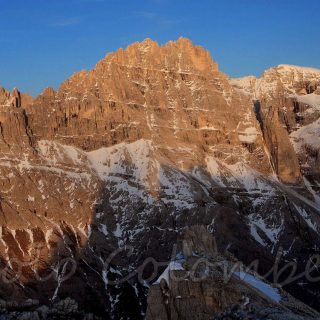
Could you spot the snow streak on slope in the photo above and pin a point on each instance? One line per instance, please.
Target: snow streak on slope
(238, 175)
(127, 167)
(271, 230)
(262, 286)
(116, 160)
(308, 135)
(311, 99)
(135, 177)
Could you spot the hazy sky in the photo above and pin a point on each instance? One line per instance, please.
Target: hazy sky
(42, 42)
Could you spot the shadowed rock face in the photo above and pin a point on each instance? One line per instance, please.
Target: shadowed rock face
(153, 139)
(276, 137)
(204, 284)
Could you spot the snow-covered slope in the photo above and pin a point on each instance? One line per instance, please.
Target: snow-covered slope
(311, 99)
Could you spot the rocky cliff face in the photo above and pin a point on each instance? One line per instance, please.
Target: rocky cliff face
(289, 94)
(123, 157)
(201, 283)
(282, 80)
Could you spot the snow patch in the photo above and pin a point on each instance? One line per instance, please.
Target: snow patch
(249, 135)
(311, 99)
(173, 265)
(265, 288)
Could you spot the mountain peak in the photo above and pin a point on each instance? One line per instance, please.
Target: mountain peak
(290, 67)
(153, 140)
(180, 55)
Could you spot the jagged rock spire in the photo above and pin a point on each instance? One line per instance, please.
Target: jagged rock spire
(16, 98)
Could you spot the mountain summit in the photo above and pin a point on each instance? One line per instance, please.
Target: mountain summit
(152, 141)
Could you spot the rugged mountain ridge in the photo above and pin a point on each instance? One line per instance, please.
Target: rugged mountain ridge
(201, 283)
(153, 139)
(292, 93)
